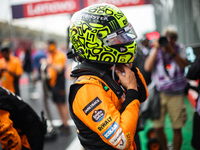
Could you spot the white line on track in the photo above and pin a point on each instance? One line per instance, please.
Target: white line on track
(75, 145)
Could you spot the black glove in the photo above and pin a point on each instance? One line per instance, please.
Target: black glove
(142, 88)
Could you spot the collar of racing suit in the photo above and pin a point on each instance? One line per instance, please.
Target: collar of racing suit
(90, 69)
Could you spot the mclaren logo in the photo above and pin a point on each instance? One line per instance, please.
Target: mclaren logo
(105, 123)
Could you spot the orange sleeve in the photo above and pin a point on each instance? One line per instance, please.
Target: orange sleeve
(19, 69)
(114, 128)
(64, 59)
(61, 59)
(9, 137)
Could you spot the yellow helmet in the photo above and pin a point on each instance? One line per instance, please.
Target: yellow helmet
(102, 33)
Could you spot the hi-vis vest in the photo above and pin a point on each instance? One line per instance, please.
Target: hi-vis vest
(104, 121)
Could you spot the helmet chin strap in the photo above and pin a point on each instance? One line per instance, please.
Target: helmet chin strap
(113, 72)
(113, 76)
(91, 69)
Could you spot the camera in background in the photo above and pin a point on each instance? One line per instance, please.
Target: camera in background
(163, 41)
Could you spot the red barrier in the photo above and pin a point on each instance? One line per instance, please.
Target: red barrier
(118, 3)
(45, 8)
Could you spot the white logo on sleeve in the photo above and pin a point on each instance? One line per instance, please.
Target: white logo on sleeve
(117, 137)
(122, 143)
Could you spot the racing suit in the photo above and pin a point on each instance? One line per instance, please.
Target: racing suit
(104, 121)
(20, 126)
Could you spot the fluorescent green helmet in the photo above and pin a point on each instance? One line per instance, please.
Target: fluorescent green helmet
(102, 33)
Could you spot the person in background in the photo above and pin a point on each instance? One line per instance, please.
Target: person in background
(104, 101)
(194, 74)
(20, 126)
(10, 69)
(27, 62)
(56, 63)
(139, 60)
(36, 75)
(167, 61)
(39, 55)
(28, 68)
(140, 57)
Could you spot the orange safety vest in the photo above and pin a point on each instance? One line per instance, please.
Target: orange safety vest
(57, 58)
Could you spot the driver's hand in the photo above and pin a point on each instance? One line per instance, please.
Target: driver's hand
(126, 77)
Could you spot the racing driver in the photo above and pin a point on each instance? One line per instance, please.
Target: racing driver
(104, 101)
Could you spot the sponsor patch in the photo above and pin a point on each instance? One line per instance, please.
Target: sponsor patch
(104, 124)
(92, 105)
(110, 36)
(94, 17)
(105, 87)
(111, 130)
(117, 137)
(128, 137)
(98, 115)
(122, 144)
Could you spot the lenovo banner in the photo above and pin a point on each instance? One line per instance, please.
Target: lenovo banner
(118, 3)
(45, 8)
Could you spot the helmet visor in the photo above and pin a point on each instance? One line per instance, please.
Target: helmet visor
(122, 36)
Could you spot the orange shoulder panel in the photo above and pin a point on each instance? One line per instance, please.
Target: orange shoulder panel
(9, 137)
